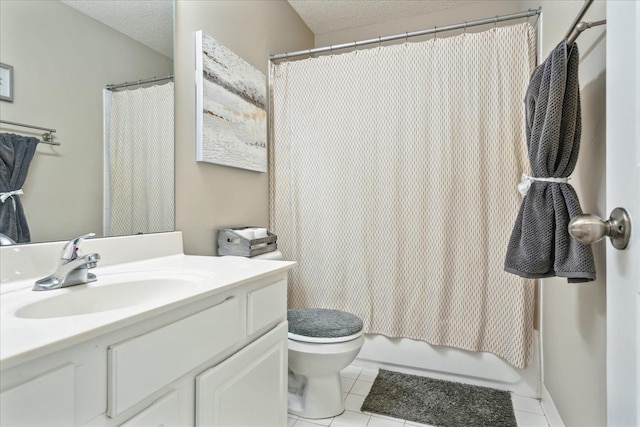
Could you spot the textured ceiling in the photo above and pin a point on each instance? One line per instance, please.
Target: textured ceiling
(324, 16)
(151, 21)
(148, 21)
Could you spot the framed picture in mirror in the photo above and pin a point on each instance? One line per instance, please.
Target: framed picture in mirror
(6, 82)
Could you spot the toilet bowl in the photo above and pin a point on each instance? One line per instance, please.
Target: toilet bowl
(322, 342)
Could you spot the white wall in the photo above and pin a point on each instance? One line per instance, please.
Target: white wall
(211, 196)
(62, 60)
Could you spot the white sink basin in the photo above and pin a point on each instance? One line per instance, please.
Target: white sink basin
(110, 294)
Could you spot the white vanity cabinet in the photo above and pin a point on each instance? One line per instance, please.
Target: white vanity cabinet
(220, 360)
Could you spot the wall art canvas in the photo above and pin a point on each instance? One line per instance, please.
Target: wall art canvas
(231, 102)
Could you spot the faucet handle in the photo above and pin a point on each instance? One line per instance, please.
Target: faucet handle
(71, 250)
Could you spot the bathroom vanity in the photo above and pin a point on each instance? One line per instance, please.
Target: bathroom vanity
(160, 338)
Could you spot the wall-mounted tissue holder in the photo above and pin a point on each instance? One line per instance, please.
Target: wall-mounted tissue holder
(246, 241)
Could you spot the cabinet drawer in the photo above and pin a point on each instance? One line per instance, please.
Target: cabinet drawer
(266, 306)
(143, 365)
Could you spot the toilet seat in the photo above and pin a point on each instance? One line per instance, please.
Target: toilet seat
(323, 326)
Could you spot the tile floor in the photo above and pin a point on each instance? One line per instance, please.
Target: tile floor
(356, 383)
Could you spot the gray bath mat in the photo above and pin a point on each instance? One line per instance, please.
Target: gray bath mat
(437, 402)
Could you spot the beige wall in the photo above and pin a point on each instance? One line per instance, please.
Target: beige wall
(573, 320)
(62, 60)
(572, 315)
(210, 196)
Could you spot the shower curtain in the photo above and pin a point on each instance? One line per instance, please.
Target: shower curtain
(139, 161)
(393, 184)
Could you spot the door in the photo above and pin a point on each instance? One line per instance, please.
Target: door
(249, 388)
(623, 189)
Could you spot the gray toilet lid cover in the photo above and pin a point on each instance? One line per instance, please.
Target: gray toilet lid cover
(323, 322)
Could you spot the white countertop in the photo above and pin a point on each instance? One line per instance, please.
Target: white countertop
(23, 339)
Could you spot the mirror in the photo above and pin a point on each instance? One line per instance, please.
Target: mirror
(62, 59)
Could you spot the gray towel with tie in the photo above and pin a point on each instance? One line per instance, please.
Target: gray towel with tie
(16, 152)
(540, 244)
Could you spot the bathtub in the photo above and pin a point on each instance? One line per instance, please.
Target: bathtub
(452, 364)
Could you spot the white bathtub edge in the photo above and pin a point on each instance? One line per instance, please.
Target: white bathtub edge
(475, 368)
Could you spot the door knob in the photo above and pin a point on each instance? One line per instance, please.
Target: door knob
(588, 228)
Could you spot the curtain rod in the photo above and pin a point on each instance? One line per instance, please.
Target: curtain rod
(433, 30)
(139, 82)
(584, 26)
(583, 10)
(47, 138)
(577, 27)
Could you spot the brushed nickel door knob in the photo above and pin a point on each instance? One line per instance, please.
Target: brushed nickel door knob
(588, 228)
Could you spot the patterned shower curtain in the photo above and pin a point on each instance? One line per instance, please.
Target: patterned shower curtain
(393, 184)
(140, 165)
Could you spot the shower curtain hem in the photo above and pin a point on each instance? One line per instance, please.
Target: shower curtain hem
(461, 347)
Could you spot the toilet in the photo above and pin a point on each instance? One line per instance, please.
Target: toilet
(322, 342)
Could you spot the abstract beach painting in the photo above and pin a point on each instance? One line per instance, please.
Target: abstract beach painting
(231, 116)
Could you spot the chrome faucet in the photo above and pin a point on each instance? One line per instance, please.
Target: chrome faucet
(73, 269)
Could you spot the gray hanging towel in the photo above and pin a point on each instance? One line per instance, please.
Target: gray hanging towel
(540, 244)
(16, 152)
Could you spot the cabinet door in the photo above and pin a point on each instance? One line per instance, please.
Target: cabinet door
(165, 412)
(249, 388)
(47, 400)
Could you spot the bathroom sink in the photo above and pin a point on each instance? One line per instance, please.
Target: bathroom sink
(110, 294)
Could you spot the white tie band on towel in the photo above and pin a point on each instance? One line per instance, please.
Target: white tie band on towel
(10, 194)
(526, 180)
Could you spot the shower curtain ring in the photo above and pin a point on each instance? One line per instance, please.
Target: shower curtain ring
(406, 37)
(495, 22)
(465, 27)
(379, 41)
(435, 31)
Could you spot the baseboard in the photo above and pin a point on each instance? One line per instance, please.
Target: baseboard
(550, 410)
